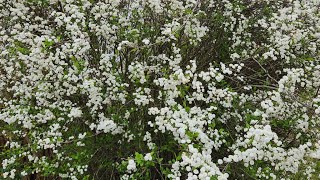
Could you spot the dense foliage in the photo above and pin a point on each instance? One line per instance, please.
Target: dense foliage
(159, 89)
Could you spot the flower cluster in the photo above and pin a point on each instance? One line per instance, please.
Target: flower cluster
(150, 89)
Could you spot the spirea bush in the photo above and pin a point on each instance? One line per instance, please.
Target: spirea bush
(159, 89)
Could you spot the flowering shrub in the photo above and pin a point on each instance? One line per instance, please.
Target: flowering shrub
(150, 89)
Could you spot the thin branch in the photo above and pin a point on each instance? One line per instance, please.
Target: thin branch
(265, 70)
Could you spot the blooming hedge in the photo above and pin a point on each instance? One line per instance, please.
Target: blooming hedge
(159, 89)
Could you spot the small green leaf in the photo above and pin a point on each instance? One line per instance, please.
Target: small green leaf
(212, 125)
(139, 158)
(188, 11)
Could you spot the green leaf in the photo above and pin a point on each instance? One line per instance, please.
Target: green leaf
(212, 125)
(78, 63)
(87, 177)
(23, 50)
(48, 43)
(188, 11)
(139, 158)
(192, 135)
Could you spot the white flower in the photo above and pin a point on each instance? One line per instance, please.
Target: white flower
(81, 136)
(148, 157)
(131, 165)
(24, 173)
(219, 77)
(146, 41)
(75, 112)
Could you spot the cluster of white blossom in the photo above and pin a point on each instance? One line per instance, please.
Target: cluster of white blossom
(202, 89)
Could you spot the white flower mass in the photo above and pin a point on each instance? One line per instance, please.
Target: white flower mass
(151, 89)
